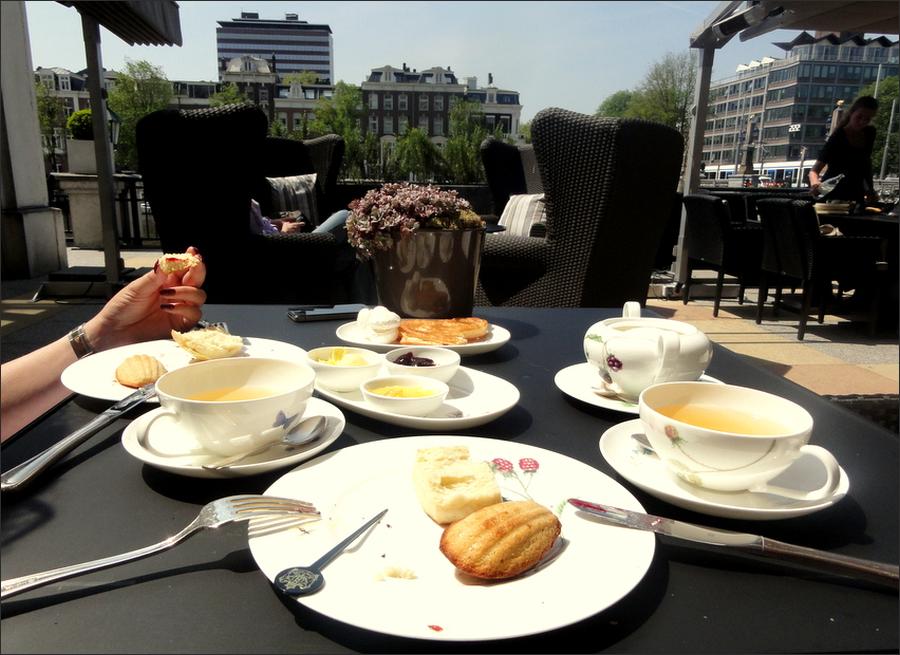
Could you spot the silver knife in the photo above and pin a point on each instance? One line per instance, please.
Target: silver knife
(20, 475)
(744, 542)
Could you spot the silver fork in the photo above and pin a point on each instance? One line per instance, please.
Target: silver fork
(212, 515)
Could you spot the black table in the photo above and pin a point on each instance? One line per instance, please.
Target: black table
(208, 595)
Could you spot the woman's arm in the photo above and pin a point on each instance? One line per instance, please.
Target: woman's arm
(148, 308)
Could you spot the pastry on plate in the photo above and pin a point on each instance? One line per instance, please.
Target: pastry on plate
(501, 540)
(209, 343)
(450, 486)
(138, 370)
(175, 262)
(443, 331)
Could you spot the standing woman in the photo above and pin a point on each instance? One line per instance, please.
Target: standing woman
(849, 151)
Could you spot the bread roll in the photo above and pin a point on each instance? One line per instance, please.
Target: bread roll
(209, 343)
(501, 540)
(174, 262)
(450, 486)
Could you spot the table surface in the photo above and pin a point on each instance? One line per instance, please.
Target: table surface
(208, 595)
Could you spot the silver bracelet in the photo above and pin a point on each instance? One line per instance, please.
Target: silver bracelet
(79, 342)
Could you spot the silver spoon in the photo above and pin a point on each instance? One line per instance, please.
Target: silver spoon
(304, 580)
(307, 431)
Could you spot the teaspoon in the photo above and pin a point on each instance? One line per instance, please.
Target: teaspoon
(304, 580)
(307, 431)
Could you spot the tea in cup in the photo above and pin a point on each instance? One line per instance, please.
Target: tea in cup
(632, 352)
(233, 406)
(731, 438)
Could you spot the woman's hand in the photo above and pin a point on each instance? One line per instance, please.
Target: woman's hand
(150, 307)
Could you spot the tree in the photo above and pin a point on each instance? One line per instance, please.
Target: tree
(888, 90)
(342, 114)
(666, 93)
(229, 94)
(303, 77)
(416, 157)
(140, 90)
(463, 150)
(617, 105)
(51, 119)
(525, 131)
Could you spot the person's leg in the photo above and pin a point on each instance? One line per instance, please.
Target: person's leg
(335, 225)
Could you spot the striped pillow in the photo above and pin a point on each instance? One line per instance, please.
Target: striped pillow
(523, 211)
(296, 193)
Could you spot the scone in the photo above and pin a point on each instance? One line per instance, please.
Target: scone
(443, 331)
(138, 370)
(174, 262)
(501, 540)
(209, 343)
(450, 486)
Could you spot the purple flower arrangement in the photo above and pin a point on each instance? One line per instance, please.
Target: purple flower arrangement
(398, 209)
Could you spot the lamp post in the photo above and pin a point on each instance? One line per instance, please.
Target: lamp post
(115, 123)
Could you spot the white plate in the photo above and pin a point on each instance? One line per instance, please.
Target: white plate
(95, 375)
(578, 381)
(165, 439)
(599, 566)
(644, 469)
(350, 333)
(480, 397)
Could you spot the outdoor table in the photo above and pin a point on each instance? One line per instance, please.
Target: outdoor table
(208, 595)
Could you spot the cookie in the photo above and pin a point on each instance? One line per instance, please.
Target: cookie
(175, 262)
(138, 370)
(209, 343)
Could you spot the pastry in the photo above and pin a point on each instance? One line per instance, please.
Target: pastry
(174, 262)
(450, 486)
(209, 343)
(138, 370)
(443, 331)
(501, 540)
(378, 324)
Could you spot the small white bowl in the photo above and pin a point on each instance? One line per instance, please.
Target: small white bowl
(338, 377)
(446, 362)
(418, 406)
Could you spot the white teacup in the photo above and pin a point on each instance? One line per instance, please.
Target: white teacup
(631, 353)
(731, 438)
(235, 405)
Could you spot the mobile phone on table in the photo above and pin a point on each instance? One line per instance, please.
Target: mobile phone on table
(319, 313)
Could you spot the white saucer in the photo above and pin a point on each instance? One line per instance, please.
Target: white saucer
(479, 397)
(166, 440)
(644, 469)
(95, 376)
(579, 380)
(350, 333)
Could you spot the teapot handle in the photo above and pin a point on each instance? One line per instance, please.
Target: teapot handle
(669, 349)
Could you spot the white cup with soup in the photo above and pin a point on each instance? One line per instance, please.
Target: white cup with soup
(232, 406)
(633, 352)
(730, 438)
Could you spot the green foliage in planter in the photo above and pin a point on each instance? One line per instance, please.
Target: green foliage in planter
(80, 126)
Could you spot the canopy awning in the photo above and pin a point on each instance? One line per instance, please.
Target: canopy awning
(140, 22)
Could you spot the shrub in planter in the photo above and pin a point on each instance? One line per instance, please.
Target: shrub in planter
(80, 126)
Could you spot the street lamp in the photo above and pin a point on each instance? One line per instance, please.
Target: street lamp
(115, 123)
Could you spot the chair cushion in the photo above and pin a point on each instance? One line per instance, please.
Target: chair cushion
(522, 211)
(295, 193)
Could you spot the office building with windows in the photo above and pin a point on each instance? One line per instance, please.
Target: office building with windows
(290, 45)
(779, 111)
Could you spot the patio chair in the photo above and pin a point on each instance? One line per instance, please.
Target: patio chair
(796, 253)
(200, 169)
(604, 224)
(714, 242)
(509, 170)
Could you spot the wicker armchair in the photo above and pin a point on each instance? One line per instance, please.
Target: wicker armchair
(797, 254)
(200, 169)
(509, 170)
(604, 223)
(715, 242)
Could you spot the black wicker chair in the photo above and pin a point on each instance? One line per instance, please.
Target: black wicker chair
(509, 170)
(200, 169)
(714, 242)
(604, 224)
(797, 254)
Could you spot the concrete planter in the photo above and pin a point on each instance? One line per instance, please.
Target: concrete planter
(81, 156)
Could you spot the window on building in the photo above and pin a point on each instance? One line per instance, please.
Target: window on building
(373, 124)
(402, 102)
(490, 122)
(402, 125)
(65, 83)
(373, 100)
(438, 126)
(423, 123)
(47, 81)
(309, 94)
(388, 101)
(298, 122)
(388, 124)
(423, 102)
(506, 124)
(439, 103)
(263, 94)
(282, 118)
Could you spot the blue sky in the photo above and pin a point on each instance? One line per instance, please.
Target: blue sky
(563, 54)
